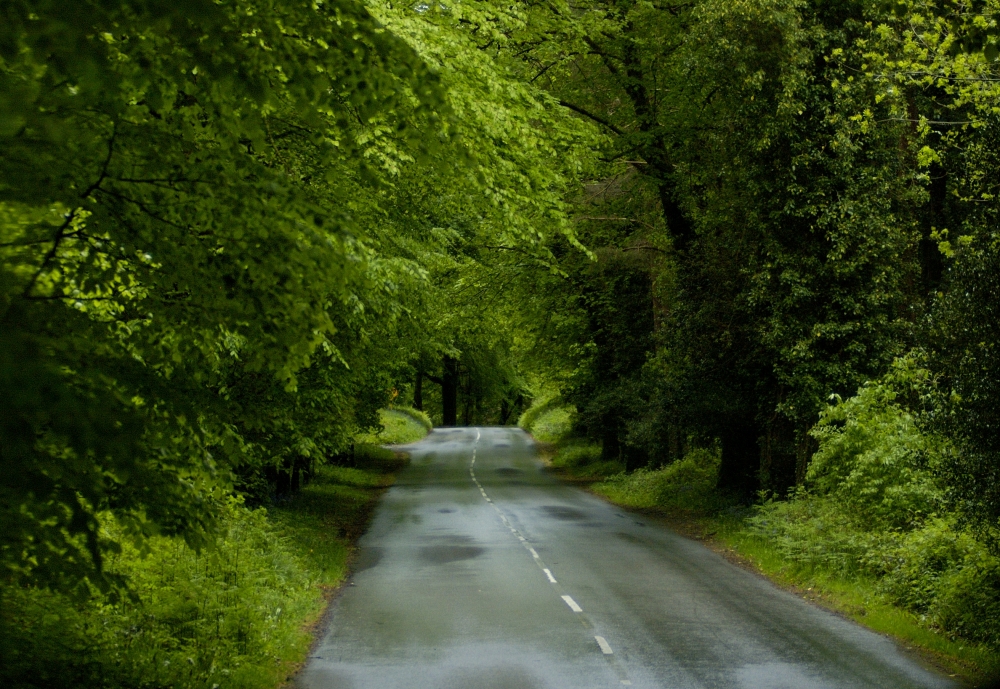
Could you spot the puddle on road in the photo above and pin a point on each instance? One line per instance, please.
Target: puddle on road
(443, 554)
(634, 539)
(564, 513)
(454, 548)
(508, 471)
(446, 510)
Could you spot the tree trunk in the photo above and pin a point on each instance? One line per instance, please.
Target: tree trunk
(635, 458)
(805, 447)
(611, 447)
(469, 403)
(738, 470)
(418, 392)
(449, 392)
(673, 440)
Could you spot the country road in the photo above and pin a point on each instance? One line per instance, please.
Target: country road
(482, 571)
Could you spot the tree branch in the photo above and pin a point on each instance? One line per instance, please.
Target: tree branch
(596, 118)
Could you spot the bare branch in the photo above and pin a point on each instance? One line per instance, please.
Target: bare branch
(596, 118)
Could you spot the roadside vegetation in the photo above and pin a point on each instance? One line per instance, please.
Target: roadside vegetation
(399, 426)
(241, 612)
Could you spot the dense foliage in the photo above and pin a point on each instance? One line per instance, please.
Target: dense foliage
(793, 196)
(229, 230)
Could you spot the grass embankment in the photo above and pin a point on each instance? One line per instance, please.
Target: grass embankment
(400, 425)
(931, 588)
(239, 614)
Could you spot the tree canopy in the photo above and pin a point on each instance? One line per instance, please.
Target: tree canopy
(232, 231)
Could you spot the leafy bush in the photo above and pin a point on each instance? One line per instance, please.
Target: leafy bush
(574, 456)
(538, 406)
(686, 484)
(815, 532)
(873, 507)
(226, 617)
(234, 615)
(420, 417)
(874, 459)
(969, 600)
(583, 460)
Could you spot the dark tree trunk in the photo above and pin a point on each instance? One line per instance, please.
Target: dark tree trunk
(504, 411)
(673, 441)
(778, 456)
(738, 471)
(611, 447)
(804, 449)
(635, 458)
(279, 477)
(469, 402)
(449, 392)
(418, 392)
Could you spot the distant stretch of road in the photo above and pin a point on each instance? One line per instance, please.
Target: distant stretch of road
(482, 571)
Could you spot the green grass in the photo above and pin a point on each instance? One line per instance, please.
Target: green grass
(686, 486)
(400, 425)
(581, 461)
(329, 514)
(238, 615)
(548, 420)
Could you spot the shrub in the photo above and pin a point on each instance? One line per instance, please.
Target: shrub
(814, 532)
(399, 426)
(874, 459)
(969, 600)
(583, 460)
(226, 617)
(873, 507)
(686, 484)
(575, 456)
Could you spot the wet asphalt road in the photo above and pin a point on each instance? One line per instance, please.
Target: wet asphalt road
(482, 571)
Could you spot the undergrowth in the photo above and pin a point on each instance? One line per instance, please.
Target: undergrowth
(237, 614)
(688, 484)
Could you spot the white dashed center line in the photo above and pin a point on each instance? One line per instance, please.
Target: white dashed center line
(572, 604)
(601, 641)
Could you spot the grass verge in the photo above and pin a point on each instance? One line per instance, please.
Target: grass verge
(857, 598)
(400, 425)
(324, 520)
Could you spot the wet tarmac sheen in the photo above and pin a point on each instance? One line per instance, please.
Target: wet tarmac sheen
(503, 578)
